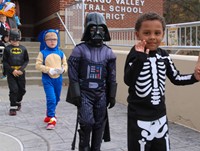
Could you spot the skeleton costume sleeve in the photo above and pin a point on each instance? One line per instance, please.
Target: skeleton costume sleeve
(146, 75)
(133, 66)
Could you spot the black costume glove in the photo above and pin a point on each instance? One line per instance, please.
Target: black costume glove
(111, 94)
(74, 94)
(111, 102)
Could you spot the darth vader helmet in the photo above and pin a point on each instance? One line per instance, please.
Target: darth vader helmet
(95, 28)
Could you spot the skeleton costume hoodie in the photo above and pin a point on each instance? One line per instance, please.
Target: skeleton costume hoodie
(146, 75)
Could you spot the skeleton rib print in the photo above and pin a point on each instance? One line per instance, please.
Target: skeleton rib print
(151, 80)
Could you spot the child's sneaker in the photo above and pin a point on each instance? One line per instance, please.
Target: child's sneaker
(12, 112)
(50, 127)
(51, 124)
(3, 77)
(47, 119)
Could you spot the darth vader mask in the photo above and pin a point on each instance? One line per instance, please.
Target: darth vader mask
(97, 34)
(96, 30)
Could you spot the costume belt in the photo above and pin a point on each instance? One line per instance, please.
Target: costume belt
(16, 67)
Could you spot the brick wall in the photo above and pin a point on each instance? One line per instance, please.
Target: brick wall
(118, 14)
(126, 11)
(35, 11)
(50, 7)
(47, 9)
(37, 15)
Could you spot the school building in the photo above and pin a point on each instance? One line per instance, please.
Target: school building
(37, 15)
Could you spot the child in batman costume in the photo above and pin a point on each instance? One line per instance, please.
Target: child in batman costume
(92, 77)
(15, 60)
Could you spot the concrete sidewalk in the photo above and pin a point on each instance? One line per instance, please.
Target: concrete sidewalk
(26, 131)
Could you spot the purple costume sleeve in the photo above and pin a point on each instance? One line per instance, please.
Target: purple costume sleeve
(73, 65)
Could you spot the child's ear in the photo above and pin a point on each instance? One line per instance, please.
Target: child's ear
(137, 35)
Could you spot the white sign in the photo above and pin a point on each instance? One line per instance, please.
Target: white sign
(116, 9)
(173, 36)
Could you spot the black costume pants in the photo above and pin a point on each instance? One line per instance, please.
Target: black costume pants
(16, 88)
(92, 115)
(148, 135)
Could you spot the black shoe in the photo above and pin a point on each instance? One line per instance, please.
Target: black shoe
(12, 112)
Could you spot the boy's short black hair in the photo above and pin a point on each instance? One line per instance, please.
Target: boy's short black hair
(149, 16)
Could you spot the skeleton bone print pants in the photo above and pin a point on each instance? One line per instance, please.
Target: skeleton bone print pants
(148, 135)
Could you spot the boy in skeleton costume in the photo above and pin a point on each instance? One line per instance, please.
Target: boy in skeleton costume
(92, 76)
(146, 69)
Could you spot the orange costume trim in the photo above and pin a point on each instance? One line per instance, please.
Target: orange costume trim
(8, 10)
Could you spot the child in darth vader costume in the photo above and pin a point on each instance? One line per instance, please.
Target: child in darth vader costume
(92, 77)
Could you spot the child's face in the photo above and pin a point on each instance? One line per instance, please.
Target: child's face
(51, 40)
(3, 19)
(14, 43)
(152, 32)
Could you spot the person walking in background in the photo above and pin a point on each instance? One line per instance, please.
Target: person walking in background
(15, 60)
(3, 22)
(51, 61)
(17, 12)
(4, 29)
(92, 81)
(9, 11)
(2, 3)
(145, 73)
(12, 10)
